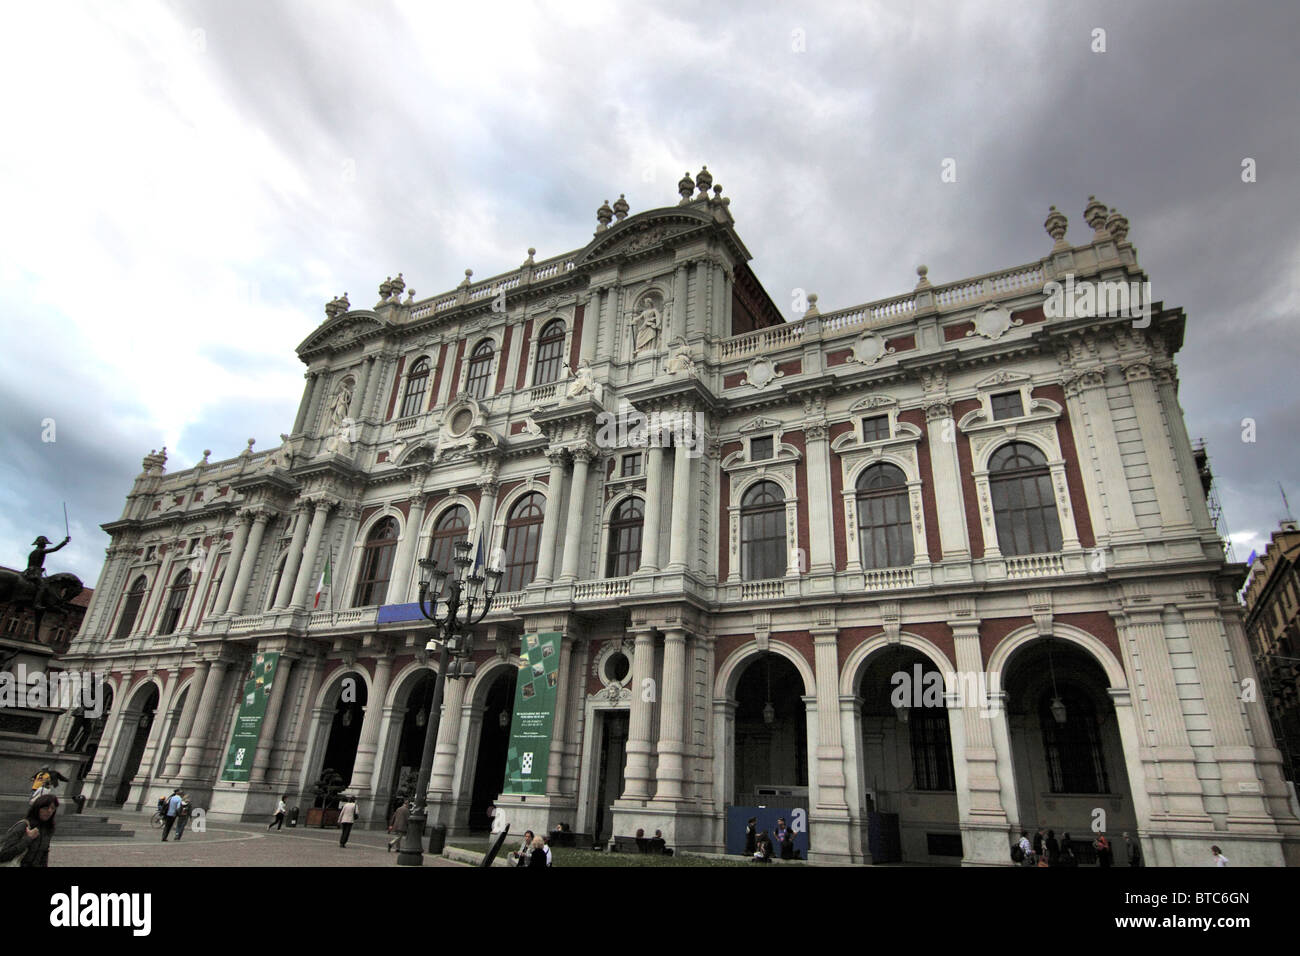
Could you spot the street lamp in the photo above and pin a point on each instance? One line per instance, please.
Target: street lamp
(468, 602)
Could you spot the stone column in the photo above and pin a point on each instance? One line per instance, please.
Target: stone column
(1069, 528)
(573, 525)
(271, 720)
(555, 763)
(291, 561)
(640, 732)
(407, 552)
(670, 773)
(186, 724)
(1000, 730)
(590, 326)
(983, 819)
(198, 741)
(358, 406)
(302, 587)
(821, 521)
(232, 563)
(443, 778)
(947, 481)
(1114, 483)
(830, 745)
(551, 521)
(249, 561)
(313, 378)
(677, 319)
(683, 504)
(1159, 452)
(367, 746)
(654, 482)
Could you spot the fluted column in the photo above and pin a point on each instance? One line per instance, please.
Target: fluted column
(302, 587)
(573, 524)
(830, 745)
(237, 546)
(249, 561)
(181, 737)
(654, 482)
(400, 589)
(821, 519)
(559, 725)
(444, 756)
(198, 741)
(981, 815)
(672, 717)
(947, 480)
(271, 720)
(291, 561)
(368, 746)
(1156, 444)
(554, 495)
(681, 538)
(639, 732)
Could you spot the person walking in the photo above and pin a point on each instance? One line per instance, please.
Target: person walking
(538, 856)
(1105, 856)
(751, 836)
(183, 817)
(1134, 850)
(397, 825)
(1053, 849)
(525, 850)
(27, 842)
(1026, 851)
(1219, 858)
(173, 807)
(280, 809)
(347, 817)
(1067, 851)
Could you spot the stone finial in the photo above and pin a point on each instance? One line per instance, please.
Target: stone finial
(347, 306)
(206, 453)
(249, 450)
(1117, 226)
(621, 207)
(812, 305)
(385, 288)
(397, 285)
(604, 215)
(922, 280)
(465, 281)
(686, 187)
(717, 192)
(531, 252)
(1094, 214)
(410, 295)
(154, 461)
(1055, 224)
(331, 308)
(703, 181)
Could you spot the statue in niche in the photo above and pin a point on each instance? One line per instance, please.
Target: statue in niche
(339, 407)
(341, 440)
(680, 363)
(583, 381)
(646, 330)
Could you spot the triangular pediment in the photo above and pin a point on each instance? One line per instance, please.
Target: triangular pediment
(342, 331)
(759, 424)
(1004, 378)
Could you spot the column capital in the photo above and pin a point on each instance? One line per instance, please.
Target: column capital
(556, 456)
(937, 409)
(824, 635)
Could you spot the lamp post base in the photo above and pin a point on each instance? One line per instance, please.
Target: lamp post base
(412, 851)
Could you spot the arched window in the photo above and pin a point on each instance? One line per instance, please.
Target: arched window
(762, 532)
(131, 607)
(416, 382)
(523, 535)
(1075, 763)
(1024, 507)
(550, 353)
(625, 538)
(175, 603)
(376, 563)
(452, 526)
(884, 518)
(480, 370)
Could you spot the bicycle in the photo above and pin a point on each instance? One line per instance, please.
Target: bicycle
(156, 821)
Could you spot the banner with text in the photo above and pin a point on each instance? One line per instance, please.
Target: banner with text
(536, 689)
(252, 708)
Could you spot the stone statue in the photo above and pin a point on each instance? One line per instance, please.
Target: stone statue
(31, 588)
(339, 407)
(646, 331)
(583, 381)
(282, 458)
(342, 439)
(681, 362)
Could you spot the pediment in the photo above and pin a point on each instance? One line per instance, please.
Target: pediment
(1004, 378)
(342, 331)
(873, 401)
(759, 424)
(643, 231)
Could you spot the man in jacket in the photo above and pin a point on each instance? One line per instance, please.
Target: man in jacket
(347, 817)
(397, 826)
(174, 803)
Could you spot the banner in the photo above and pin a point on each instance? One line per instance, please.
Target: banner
(252, 708)
(530, 731)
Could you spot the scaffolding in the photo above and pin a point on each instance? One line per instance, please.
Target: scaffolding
(1220, 523)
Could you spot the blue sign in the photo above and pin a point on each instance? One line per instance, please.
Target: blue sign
(393, 613)
(796, 818)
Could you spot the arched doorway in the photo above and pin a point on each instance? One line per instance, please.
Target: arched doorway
(410, 743)
(137, 722)
(771, 734)
(348, 714)
(909, 784)
(86, 733)
(493, 745)
(1066, 750)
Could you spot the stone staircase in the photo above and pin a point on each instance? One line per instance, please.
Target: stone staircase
(70, 823)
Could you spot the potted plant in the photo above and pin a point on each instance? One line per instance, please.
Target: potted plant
(326, 790)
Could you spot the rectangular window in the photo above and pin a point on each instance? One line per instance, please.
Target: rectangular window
(760, 449)
(631, 465)
(875, 428)
(1007, 405)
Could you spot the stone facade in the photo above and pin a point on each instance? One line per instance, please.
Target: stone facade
(1126, 620)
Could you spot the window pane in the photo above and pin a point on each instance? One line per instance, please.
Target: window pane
(550, 352)
(875, 428)
(480, 371)
(1007, 405)
(760, 449)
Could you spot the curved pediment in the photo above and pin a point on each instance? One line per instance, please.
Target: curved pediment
(644, 231)
(341, 331)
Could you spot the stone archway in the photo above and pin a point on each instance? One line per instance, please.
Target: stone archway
(137, 723)
(493, 711)
(769, 733)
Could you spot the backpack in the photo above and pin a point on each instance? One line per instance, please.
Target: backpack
(1017, 854)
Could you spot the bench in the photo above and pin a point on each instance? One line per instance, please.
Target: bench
(624, 844)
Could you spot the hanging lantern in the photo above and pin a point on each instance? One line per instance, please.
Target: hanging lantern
(1057, 706)
(503, 719)
(902, 713)
(1058, 710)
(347, 718)
(769, 711)
(421, 718)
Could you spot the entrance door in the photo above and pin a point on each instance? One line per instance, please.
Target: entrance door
(613, 757)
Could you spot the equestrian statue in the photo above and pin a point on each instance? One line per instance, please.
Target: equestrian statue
(33, 589)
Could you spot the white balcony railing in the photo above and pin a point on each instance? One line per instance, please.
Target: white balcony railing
(542, 394)
(887, 579)
(408, 424)
(598, 590)
(759, 590)
(250, 622)
(1035, 566)
(507, 601)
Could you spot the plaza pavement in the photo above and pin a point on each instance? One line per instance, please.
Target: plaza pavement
(226, 845)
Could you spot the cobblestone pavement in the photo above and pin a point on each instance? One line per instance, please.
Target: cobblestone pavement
(227, 845)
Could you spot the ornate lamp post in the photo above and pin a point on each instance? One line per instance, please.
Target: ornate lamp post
(467, 603)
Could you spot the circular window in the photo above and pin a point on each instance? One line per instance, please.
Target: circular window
(617, 667)
(461, 421)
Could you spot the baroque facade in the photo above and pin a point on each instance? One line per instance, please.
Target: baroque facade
(982, 484)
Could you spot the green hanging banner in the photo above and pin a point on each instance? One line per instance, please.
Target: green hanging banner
(536, 689)
(252, 708)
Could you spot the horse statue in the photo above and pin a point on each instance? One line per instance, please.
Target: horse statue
(58, 590)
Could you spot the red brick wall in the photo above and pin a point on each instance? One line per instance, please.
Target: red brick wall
(1030, 316)
(838, 357)
(902, 343)
(792, 367)
(974, 529)
(523, 355)
(734, 380)
(397, 380)
(958, 331)
(504, 359)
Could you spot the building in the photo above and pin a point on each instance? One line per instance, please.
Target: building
(929, 569)
(1273, 626)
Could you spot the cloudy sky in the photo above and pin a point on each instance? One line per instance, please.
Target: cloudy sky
(184, 185)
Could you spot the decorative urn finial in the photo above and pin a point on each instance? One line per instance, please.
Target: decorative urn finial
(621, 207)
(1117, 226)
(465, 281)
(1094, 214)
(703, 181)
(812, 305)
(604, 215)
(397, 285)
(922, 274)
(1055, 224)
(686, 187)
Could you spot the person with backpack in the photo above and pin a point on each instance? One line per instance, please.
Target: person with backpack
(173, 808)
(27, 842)
(1025, 856)
(183, 817)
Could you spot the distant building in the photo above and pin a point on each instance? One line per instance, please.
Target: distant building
(926, 569)
(1273, 625)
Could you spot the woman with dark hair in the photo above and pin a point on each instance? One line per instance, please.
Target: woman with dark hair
(28, 840)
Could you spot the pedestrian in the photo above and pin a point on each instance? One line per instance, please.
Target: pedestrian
(525, 850)
(778, 838)
(1134, 850)
(1053, 849)
(751, 836)
(787, 844)
(397, 825)
(1026, 851)
(280, 809)
(183, 817)
(347, 817)
(546, 848)
(538, 855)
(1067, 851)
(173, 807)
(1038, 845)
(27, 842)
(1219, 858)
(1105, 856)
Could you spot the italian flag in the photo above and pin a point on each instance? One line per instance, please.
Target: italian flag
(324, 584)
